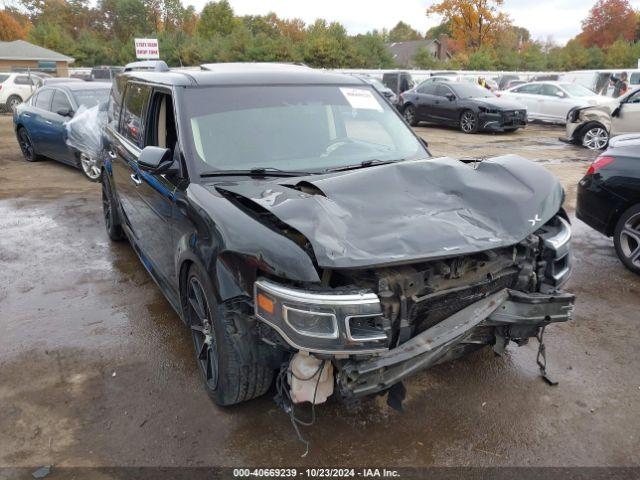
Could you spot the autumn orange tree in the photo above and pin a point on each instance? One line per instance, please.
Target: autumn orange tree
(12, 27)
(474, 23)
(608, 21)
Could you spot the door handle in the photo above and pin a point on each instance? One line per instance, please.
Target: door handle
(111, 154)
(48, 122)
(136, 180)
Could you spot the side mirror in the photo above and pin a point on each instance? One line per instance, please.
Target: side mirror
(65, 112)
(155, 159)
(560, 94)
(451, 97)
(616, 111)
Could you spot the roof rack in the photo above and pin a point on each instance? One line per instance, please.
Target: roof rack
(148, 65)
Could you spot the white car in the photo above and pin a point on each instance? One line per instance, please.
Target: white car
(16, 88)
(551, 101)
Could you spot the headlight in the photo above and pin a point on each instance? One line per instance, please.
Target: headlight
(555, 239)
(490, 111)
(324, 322)
(572, 115)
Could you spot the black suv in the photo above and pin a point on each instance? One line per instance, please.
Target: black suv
(292, 215)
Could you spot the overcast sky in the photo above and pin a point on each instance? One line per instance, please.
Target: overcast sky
(559, 19)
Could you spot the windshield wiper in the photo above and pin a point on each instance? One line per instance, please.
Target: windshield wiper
(255, 172)
(363, 164)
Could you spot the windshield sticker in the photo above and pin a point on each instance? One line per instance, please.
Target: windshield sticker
(361, 98)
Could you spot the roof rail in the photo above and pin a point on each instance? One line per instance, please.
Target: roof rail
(149, 65)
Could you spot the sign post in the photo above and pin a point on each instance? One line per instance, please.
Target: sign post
(147, 49)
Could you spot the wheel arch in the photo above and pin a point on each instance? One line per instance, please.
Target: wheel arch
(580, 131)
(618, 212)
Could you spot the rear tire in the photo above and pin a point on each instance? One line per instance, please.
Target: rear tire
(229, 357)
(594, 137)
(13, 101)
(626, 239)
(409, 114)
(110, 211)
(469, 121)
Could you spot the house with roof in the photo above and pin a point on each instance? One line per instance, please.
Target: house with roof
(19, 56)
(403, 52)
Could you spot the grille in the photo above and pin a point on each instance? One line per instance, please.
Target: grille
(429, 312)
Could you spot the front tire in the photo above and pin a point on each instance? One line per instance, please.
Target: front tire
(26, 145)
(110, 211)
(227, 352)
(626, 239)
(89, 167)
(594, 137)
(469, 121)
(409, 114)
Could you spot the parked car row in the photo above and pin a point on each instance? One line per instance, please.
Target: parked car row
(41, 123)
(462, 104)
(551, 101)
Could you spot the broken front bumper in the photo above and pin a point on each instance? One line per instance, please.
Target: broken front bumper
(514, 315)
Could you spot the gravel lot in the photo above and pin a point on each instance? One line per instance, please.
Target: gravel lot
(97, 370)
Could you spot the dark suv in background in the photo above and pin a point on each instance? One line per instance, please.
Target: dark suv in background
(297, 224)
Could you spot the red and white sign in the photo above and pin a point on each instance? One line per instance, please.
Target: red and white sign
(147, 49)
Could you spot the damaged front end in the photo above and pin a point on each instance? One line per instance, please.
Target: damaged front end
(377, 326)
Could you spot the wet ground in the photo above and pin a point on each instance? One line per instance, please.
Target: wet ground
(97, 370)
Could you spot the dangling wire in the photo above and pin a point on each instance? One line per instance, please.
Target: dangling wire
(284, 400)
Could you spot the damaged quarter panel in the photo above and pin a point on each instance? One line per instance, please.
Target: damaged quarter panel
(413, 210)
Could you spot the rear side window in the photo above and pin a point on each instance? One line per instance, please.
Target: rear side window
(428, 88)
(24, 80)
(60, 102)
(634, 79)
(3, 78)
(131, 122)
(43, 101)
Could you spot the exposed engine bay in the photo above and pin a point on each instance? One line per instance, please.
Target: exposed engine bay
(377, 326)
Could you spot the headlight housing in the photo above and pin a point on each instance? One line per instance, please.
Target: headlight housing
(323, 322)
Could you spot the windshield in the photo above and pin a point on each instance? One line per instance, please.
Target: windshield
(376, 83)
(307, 128)
(464, 90)
(576, 90)
(91, 98)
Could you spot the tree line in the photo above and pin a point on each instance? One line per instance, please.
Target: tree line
(478, 34)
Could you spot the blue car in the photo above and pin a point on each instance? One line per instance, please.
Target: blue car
(40, 123)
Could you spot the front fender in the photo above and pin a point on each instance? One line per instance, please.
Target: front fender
(233, 247)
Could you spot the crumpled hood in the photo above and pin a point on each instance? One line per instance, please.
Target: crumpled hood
(412, 210)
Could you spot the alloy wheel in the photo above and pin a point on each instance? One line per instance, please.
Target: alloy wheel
(13, 103)
(468, 122)
(89, 167)
(409, 115)
(25, 144)
(630, 240)
(595, 138)
(202, 332)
